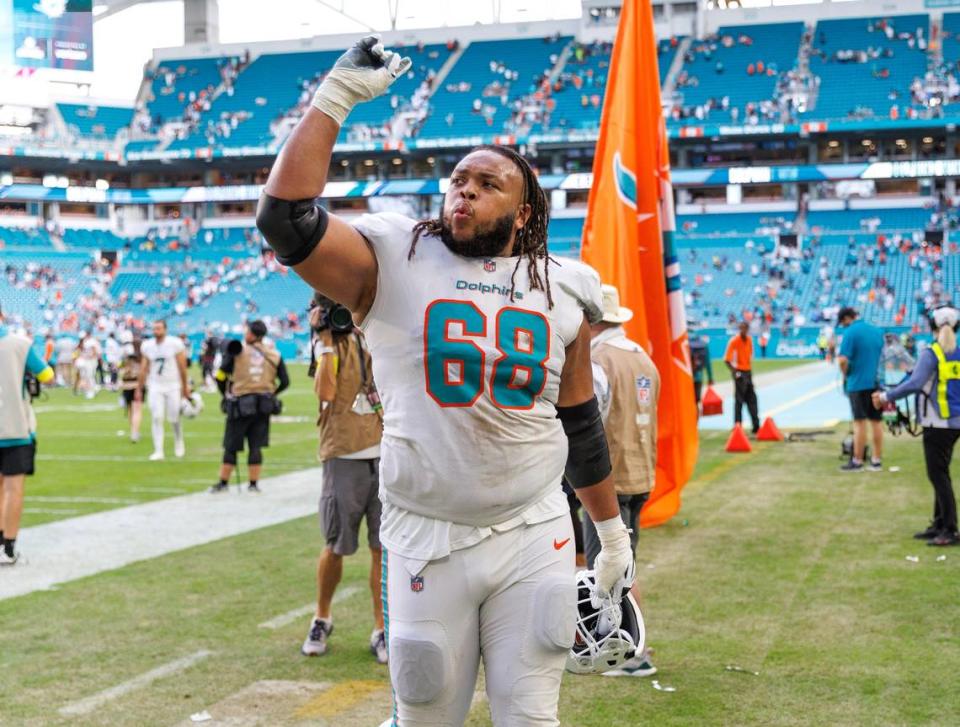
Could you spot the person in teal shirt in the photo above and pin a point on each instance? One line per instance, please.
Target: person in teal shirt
(18, 427)
(859, 360)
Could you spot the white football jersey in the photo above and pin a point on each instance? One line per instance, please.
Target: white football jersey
(469, 380)
(164, 374)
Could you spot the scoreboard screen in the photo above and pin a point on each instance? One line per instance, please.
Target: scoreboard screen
(47, 34)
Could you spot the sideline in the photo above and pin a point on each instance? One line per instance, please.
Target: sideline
(66, 550)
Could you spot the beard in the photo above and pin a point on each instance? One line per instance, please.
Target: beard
(487, 241)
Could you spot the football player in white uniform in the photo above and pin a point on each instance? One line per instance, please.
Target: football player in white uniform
(481, 353)
(163, 369)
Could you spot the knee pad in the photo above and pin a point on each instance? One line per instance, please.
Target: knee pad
(555, 612)
(255, 456)
(230, 458)
(417, 665)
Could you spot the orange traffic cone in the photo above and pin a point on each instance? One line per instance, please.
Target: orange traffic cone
(769, 432)
(738, 441)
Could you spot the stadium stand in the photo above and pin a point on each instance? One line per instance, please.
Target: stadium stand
(13, 238)
(483, 89)
(177, 83)
(96, 122)
(732, 75)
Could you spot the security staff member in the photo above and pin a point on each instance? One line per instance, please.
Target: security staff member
(350, 425)
(739, 359)
(936, 382)
(250, 376)
(631, 429)
(18, 427)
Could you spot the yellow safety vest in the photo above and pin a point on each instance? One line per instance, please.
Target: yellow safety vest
(947, 371)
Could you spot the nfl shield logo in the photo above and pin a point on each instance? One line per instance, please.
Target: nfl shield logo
(490, 266)
(643, 389)
(416, 583)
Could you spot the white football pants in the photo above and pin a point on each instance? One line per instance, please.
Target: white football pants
(510, 600)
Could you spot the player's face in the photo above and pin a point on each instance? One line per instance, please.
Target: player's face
(482, 209)
(159, 330)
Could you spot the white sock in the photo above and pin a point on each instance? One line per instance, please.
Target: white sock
(156, 426)
(178, 433)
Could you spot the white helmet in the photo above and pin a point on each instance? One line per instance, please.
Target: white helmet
(192, 407)
(607, 634)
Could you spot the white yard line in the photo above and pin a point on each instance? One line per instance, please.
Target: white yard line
(96, 500)
(118, 537)
(49, 511)
(95, 701)
(296, 614)
(161, 490)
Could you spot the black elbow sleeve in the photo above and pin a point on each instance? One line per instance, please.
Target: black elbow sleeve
(291, 227)
(588, 459)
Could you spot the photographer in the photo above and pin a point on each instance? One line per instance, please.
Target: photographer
(21, 372)
(936, 382)
(350, 425)
(250, 376)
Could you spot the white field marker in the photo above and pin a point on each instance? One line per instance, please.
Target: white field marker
(290, 616)
(95, 701)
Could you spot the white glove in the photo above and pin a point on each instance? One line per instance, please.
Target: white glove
(614, 565)
(361, 74)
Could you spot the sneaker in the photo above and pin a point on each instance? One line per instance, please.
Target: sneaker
(218, 488)
(931, 532)
(134, 438)
(875, 465)
(9, 559)
(378, 645)
(254, 488)
(156, 457)
(179, 449)
(316, 641)
(852, 466)
(639, 666)
(945, 538)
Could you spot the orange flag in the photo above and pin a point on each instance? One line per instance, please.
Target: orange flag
(628, 238)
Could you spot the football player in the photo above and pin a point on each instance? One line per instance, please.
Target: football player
(163, 370)
(481, 353)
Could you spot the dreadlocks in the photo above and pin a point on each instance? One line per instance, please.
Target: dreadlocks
(530, 241)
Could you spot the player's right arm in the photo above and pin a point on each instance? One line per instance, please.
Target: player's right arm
(330, 255)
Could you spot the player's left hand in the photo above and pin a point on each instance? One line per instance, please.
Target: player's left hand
(614, 565)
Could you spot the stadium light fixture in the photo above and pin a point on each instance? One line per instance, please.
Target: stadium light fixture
(368, 162)
(397, 161)
(866, 142)
(833, 143)
(102, 184)
(928, 140)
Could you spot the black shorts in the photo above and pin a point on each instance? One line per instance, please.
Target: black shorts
(861, 404)
(17, 460)
(128, 395)
(255, 429)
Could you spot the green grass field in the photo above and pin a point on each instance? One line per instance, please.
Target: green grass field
(760, 366)
(777, 563)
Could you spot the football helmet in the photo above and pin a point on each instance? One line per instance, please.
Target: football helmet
(607, 634)
(192, 407)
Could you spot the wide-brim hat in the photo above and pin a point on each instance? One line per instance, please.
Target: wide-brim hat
(613, 312)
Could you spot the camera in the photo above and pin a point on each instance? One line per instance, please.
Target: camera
(331, 315)
(32, 384)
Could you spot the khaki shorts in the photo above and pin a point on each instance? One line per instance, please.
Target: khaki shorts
(350, 489)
